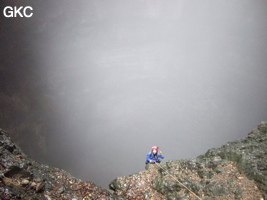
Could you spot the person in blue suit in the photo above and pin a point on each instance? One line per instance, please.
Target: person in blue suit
(154, 155)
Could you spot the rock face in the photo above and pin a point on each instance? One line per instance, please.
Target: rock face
(23, 178)
(237, 170)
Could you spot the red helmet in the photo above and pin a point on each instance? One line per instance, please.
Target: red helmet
(155, 147)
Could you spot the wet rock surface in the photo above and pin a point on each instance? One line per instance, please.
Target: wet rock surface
(23, 178)
(237, 170)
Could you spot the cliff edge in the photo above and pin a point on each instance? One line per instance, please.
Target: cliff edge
(23, 178)
(237, 170)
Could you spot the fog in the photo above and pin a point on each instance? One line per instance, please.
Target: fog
(123, 76)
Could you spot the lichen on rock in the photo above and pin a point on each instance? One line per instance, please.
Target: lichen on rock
(236, 170)
(23, 178)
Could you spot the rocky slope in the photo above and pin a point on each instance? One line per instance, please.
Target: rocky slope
(23, 178)
(237, 170)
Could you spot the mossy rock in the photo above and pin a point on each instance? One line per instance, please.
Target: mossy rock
(115, 185)
(205, 173)
(217, 188)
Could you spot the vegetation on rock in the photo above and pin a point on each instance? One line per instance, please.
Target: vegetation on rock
(237, 170)
(23, 178)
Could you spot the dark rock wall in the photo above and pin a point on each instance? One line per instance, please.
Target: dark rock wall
(250, 154)
(23, 178)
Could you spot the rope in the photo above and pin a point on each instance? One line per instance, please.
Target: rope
(179, 182)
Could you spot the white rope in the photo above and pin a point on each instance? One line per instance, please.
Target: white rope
(179, 182)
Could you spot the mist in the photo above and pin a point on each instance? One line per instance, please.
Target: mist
(124, 76)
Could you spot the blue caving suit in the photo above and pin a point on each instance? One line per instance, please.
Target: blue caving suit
(154, 157)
